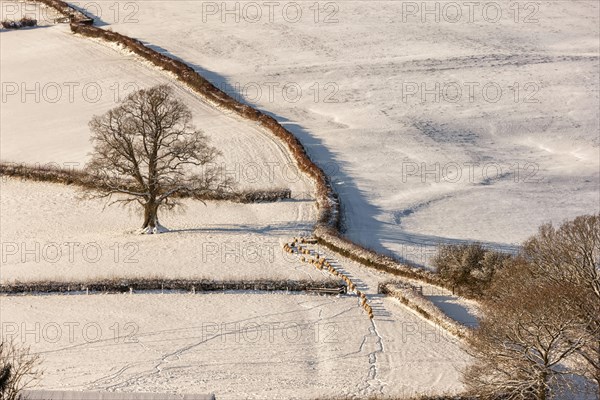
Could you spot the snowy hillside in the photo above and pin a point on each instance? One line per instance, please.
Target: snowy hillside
(456, 124)
(436, 122)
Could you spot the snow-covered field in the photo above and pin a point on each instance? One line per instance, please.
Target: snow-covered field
(413, 168)
(258, 346)
(434, 127)
(48, 234)
(63, 80)
(388, 356)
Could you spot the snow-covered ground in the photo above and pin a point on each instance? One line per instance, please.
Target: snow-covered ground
(53, 82)
(63, 80)
(257, 346)
(367, 280)
(459, 309)
(365, 116)
(15, 10)
(435, 126)
(48, 234)
(388, 356)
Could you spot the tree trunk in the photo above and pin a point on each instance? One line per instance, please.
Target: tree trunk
(597, 379)
(541, 386)
(151, 224)
(597, 375)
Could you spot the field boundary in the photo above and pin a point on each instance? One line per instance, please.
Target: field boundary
(80, 178)
(124, 285)
(415, 301)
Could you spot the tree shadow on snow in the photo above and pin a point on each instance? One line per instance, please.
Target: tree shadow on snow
(290, 228)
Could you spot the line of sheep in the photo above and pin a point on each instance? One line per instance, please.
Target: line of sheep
(296, 247)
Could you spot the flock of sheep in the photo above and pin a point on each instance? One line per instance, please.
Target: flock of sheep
(299, 246)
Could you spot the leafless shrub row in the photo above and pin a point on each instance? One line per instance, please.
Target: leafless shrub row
(76, 177)
(419, 303)
(22, 23)
(124, 285)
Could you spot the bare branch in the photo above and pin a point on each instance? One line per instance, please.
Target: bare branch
(145, 151)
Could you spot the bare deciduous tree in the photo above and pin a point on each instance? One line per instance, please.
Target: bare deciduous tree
(542, 316)
(524, 339)
(146, 151)
(570, 255)
(19, 369)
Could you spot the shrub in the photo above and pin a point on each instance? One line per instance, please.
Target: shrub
(468, 267)
(23, 22)
(7, 24)
(82, 179)
(19, 369)
(26, 21)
